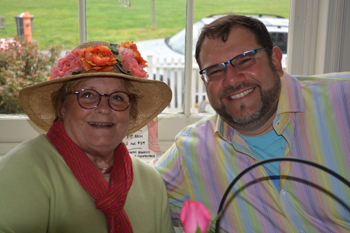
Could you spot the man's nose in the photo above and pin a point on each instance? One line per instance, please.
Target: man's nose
(232, 75)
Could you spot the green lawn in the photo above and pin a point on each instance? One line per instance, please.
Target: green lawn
(107, 20)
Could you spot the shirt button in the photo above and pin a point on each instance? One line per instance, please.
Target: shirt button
(283, 192)
(277, 123)
(302, 231)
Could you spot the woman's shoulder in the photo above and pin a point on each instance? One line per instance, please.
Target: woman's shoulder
(142, 167)
(30, 147)
(29, 154)
(145, 173)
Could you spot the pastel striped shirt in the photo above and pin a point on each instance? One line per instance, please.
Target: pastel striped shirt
(313, 116)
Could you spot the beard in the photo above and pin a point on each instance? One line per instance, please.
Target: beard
(268, 101)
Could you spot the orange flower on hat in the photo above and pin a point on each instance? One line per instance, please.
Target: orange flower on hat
(133, 47)
(98, 58)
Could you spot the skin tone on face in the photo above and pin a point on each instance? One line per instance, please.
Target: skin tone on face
(247, 100)
(96, 131)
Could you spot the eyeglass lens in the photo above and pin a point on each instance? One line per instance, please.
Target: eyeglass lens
(118, 101)
(241, 62)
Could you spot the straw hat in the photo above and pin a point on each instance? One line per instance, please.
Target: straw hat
(156, 95)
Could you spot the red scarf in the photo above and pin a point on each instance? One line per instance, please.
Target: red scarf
(110, 197)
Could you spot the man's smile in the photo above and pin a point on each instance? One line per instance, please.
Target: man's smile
(240, 95)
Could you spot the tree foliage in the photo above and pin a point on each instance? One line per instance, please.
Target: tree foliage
(22, 64)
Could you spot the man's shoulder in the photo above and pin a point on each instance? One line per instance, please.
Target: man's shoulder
(308, 80)
(206, 123)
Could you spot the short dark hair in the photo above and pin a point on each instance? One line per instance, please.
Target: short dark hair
(221, 28)
(60, 96)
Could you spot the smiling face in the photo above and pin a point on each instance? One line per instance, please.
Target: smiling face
(96, 131)
(247, 100)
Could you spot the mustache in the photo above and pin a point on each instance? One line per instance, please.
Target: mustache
(230, 89)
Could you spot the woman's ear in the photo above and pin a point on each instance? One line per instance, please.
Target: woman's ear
(276, 57)
(63, 109)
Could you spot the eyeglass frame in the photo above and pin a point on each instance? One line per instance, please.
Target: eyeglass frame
(131, 97)
(202, 72)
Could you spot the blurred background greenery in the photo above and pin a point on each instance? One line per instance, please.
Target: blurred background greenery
(56, 22)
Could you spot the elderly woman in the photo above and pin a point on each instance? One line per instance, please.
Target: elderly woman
(79, 177)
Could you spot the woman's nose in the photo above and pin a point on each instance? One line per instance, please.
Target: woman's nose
(103, 106)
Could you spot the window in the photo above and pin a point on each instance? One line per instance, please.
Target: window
(280, 40)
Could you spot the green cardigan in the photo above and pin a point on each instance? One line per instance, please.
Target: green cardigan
(39, 193)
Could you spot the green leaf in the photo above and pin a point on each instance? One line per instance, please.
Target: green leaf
(214, 222)
(114, 49)
(76, 72)
(119, 58)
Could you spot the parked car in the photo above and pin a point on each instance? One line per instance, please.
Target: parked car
(174, 47)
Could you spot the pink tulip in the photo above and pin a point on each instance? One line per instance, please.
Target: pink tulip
(193, 215)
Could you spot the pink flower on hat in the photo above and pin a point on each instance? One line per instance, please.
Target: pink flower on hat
(133, 47)
(130, 64)
(194, 215)
(67, 65)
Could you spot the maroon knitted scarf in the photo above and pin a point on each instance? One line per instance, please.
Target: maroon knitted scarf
(110, 196)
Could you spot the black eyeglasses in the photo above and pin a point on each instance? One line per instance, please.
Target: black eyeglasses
(89, 99)
(240, 62)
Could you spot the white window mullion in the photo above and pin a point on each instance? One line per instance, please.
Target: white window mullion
(188, 57)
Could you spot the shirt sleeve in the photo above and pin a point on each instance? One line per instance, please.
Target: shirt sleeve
(24, 203)
(170, 168)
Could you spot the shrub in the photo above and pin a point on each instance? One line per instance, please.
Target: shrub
(21, 65)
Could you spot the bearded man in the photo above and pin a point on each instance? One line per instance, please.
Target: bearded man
(262, 113)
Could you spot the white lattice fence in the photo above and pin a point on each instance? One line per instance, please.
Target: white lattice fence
(172, 73)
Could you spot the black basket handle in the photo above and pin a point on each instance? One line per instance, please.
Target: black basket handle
(342, 179)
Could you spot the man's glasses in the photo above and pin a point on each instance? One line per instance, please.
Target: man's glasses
(240, 62)
(89, 99)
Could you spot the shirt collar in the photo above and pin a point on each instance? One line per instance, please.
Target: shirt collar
(222, 129)
(291, 98)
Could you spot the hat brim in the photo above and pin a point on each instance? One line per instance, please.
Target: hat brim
(37, 103)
